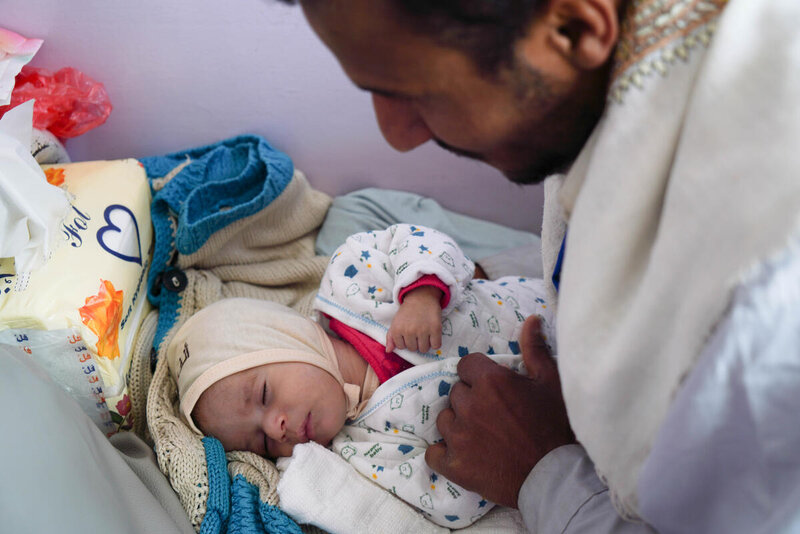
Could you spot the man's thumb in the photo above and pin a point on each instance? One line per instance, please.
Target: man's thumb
(535, 353)
(435, 457)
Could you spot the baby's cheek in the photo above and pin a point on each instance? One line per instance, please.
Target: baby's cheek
(282, 450)
(229, 445)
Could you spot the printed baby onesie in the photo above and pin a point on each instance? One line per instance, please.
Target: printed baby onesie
(365, 275)
(387, 442)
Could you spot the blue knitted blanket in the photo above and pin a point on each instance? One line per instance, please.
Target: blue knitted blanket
(233, 506)
(196, 193)
(211, 187)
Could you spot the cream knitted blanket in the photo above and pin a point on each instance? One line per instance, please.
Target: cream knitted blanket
(268, 255)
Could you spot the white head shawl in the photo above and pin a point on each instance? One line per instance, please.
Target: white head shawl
(689, 181)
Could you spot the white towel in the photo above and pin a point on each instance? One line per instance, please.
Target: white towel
(320, 488)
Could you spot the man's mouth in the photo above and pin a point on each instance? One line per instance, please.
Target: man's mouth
(459, 151)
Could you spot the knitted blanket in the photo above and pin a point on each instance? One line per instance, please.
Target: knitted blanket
(233, 219)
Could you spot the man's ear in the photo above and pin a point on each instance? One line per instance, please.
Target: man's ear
(583, 32)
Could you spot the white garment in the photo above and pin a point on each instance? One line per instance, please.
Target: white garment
(689, 180)
(369, 270)
(563, 494)
(726, 458)
(387, 442)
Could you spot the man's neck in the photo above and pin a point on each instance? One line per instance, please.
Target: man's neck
(351, 364)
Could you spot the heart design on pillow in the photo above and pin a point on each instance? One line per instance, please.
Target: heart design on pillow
(120, 236)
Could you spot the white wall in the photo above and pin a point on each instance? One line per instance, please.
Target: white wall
(182, 73)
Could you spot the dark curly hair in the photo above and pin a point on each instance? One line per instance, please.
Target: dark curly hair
(485, 30)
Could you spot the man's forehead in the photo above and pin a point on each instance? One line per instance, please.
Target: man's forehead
(361, 8)
(366, 25)
(377, 47)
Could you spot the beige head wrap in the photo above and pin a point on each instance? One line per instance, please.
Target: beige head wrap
(233, 335)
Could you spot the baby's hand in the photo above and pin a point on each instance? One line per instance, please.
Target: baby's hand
(418, 323)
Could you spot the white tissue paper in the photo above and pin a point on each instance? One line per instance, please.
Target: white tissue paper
(31, 210)
(15, 52)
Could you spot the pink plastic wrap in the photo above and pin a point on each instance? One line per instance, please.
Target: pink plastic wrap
(68, 103)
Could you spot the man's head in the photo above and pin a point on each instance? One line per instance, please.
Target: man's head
(518, 84)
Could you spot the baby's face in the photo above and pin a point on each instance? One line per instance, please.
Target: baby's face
(269, 409)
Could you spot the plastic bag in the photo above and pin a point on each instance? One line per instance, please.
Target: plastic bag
(15, 52)
(68, 103)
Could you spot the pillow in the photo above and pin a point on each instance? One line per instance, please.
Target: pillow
(79, 313)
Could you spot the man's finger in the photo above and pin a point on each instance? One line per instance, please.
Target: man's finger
(473, 366)
(458, 394)
(535, 354)
(436, 457)
(445, 421)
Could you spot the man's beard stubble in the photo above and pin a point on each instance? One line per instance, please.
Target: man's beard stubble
(571, 118)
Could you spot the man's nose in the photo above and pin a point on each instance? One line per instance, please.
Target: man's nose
(400, 122)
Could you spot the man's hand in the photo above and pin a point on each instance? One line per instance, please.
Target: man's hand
(500, 423)
(417, 325)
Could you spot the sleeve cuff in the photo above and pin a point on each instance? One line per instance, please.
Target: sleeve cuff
(556, 489)
(428, 280)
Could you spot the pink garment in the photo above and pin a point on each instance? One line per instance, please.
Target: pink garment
(385, 364)
(428, 280)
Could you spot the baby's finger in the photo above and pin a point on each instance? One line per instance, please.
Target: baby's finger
(436, 340)
(410, 342)
(423, 344)
(389, 343)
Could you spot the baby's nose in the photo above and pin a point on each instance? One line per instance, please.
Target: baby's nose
(275, 426)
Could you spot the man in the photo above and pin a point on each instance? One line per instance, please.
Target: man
(677, 124)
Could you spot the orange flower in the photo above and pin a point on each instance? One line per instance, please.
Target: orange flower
(103, 314)
(55, 175)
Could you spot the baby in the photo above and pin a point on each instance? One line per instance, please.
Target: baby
(260, 377)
